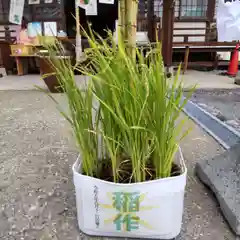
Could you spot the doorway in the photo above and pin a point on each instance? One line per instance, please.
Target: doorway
(107, 15)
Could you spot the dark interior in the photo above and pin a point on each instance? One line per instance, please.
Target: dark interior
(107, 14)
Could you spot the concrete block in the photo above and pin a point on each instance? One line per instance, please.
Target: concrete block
(3, 72)
(237, 78)
(222, 175)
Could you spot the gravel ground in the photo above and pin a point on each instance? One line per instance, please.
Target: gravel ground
(36, 191)
(222, 103)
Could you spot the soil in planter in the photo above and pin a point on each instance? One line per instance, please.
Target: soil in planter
(125, 174)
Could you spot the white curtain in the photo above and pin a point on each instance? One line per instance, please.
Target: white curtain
(228, 20)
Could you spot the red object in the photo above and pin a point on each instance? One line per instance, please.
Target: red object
(233, 66)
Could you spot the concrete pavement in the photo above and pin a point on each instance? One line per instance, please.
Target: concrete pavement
(203, 80)
(37, 151)
(36, 191)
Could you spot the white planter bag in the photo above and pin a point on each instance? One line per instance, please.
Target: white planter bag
(150, 209)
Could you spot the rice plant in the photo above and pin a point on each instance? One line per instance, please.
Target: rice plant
(133, 132)
(126, 120)
(79, 113)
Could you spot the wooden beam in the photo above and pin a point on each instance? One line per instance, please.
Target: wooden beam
(167, 31)
(211, 10)
(63, 20)
(186, 59)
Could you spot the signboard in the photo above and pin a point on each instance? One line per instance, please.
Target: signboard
(228, 20)
(50, 28)
(34, 29)
(16, 11)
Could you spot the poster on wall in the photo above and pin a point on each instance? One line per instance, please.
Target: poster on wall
(50, 28)
(33, 2)
(48, 1)
(16, 11)
(228, 20)
(34, 29)
(91, 8)
(106, 1)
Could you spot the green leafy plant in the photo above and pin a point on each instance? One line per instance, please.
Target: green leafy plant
(127, 120)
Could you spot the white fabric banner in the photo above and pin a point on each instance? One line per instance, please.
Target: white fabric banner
(107, 1)
(16, 11)
(228, 20)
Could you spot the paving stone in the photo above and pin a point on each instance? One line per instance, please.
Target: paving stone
(222, 175)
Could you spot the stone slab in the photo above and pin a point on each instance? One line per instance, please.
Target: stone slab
(222, 175)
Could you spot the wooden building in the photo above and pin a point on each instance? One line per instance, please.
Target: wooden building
(179, 23)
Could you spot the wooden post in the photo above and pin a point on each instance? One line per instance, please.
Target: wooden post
(63, 21)
(185, 65)
(150, 18)
(211, 10)
(167, 32)
(7, 33)
(1, 60)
